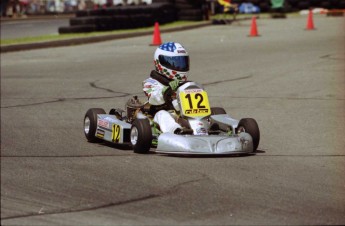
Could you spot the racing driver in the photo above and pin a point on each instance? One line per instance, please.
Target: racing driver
(171, 61)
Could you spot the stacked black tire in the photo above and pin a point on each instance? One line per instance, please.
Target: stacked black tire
(124, 17)
(190, 10)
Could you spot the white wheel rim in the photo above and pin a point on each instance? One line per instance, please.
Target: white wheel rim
(87, 125)
(134, 135)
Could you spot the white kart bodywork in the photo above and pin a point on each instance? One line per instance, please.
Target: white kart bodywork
(209, 145)
(227, 139)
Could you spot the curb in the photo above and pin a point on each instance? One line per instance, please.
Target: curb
(80, 41)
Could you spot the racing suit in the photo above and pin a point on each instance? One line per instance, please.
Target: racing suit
(154, 89)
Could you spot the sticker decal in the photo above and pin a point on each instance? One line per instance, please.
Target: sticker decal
(103, 123)
(115, 136)
(100, 133)
(201, 131)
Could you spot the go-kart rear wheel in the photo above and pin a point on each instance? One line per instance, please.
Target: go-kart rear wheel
(141, 136)
(249, 125)
(217, 111)
(90, 124)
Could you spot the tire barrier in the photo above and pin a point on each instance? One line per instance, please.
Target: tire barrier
(189, 10)
(77, 29)
(136, 16)
(124, 17)
(190, 14)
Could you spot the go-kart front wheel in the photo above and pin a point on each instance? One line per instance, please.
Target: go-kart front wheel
(217, 111)
(141, 136)
(249, 125)
(90, 124)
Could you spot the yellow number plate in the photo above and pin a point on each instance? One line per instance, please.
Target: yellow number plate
(194, 103)
(116, 131)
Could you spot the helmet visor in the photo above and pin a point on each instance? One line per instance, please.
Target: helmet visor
(176, 63)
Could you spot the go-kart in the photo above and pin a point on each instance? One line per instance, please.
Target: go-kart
(214, 131)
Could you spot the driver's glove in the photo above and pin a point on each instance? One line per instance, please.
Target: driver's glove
(174, 84)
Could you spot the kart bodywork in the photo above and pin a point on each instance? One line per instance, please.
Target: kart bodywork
(211, 144)
(215, 132)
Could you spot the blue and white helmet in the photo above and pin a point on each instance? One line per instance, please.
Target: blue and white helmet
(172, 60)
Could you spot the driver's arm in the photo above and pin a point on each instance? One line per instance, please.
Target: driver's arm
(154, 91)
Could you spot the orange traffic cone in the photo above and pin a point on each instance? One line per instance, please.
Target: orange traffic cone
(156, 36)
(310, 23)
(253, 29)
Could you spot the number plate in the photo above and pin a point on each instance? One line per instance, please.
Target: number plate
(116, 132)
(194, 103)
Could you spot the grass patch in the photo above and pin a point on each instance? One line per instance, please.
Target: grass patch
(54, 37)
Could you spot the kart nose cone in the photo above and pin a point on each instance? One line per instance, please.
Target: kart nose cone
(171, 143)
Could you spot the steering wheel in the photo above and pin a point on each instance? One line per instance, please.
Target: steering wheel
(168, 95)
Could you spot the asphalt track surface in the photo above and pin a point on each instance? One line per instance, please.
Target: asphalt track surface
(290, 80)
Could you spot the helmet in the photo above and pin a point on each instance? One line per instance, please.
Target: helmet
(172, 60)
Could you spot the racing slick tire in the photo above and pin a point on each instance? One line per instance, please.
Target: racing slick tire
(90, 124)
(249, 125)
(141, 136)
(217, 111)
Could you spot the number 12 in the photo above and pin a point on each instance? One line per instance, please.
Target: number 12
(196, 97)
(116, 133)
